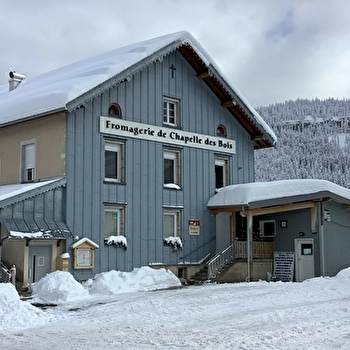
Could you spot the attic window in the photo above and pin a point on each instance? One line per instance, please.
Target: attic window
(114, 110)
(221, 130)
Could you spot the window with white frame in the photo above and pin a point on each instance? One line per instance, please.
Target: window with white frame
(171, 167)
(171, 113)
(114, 161)
(171, 223)
(221, 172)
(113, 221)
(28, 150)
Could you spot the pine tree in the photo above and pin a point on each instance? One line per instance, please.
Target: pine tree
(313, 141)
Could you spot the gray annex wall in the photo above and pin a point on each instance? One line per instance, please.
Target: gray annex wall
(336, 231)
(298, 226)
(143, 195)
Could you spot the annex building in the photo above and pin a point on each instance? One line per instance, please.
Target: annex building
(109, 163)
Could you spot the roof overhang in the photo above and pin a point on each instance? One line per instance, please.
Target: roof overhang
(36, 229)
(229, 98)
(277, 196)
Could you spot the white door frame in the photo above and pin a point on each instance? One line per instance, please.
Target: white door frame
(304, 258)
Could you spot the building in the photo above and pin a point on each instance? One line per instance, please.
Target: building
(294, 229)
(109, 163)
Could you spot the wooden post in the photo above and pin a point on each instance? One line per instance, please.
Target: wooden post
(249, 244)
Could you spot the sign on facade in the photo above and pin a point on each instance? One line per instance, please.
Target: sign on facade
(115, 126)
(193, 227)
(284, 266)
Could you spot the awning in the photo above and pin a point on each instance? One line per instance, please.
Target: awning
(49, 228)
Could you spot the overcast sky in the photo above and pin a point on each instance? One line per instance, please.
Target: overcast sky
(271, 50)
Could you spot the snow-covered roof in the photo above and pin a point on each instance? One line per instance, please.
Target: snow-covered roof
(84, 240)
(10, 194)
(60, 89)
(262, 194)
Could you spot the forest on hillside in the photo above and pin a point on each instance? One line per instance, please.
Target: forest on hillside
(313, 141)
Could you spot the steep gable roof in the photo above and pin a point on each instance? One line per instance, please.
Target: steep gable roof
(68, 87)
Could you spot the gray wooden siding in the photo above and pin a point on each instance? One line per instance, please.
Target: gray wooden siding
(141, 100)
(336, 238)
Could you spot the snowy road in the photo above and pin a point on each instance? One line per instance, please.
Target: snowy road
(310, 315)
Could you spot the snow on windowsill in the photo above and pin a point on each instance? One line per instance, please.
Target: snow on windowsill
(172, 186)
(174, 242)
(119, 241)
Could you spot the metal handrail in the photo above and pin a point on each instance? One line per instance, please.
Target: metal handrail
(5, 274)
(220, 261)
(197, 248)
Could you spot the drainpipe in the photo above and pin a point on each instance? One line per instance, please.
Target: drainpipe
(322, 252)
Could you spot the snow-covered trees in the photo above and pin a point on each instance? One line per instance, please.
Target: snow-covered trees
(313, 142)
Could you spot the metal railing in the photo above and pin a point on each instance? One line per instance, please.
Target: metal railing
(238, 250)
(220, 261)
(4, 273)
(197, 248)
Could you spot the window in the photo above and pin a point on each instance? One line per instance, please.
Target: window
(113, 221)
(171, 167)
(115, 111)
(171, 223)
(221, 172)
(267, 228)
(114, 161)
(171, 111)
(221, 130)
(28, 161)
(307, 249)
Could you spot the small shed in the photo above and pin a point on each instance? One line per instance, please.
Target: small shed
(305, 220)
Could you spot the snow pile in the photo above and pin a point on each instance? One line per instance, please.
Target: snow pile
(56, 287)
(344, 274)
(15, 313)
(139, 280)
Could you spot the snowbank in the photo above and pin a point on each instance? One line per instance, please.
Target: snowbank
(139, 280)
(60, 287)
(344, 274)
(15, 313)
(56, 287)
(313, 314)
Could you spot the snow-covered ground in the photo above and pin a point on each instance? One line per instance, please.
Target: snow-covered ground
(120, 310)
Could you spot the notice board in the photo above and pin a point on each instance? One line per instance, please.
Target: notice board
(284, 266)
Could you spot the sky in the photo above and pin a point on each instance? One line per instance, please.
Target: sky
(271, 50)
(147, 309)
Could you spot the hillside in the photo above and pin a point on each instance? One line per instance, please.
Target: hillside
(313, 141)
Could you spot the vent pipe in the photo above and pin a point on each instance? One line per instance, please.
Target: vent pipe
(15, 79)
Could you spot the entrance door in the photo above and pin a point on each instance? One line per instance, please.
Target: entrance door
(39, 262)
(304, 259)
(223, 231)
